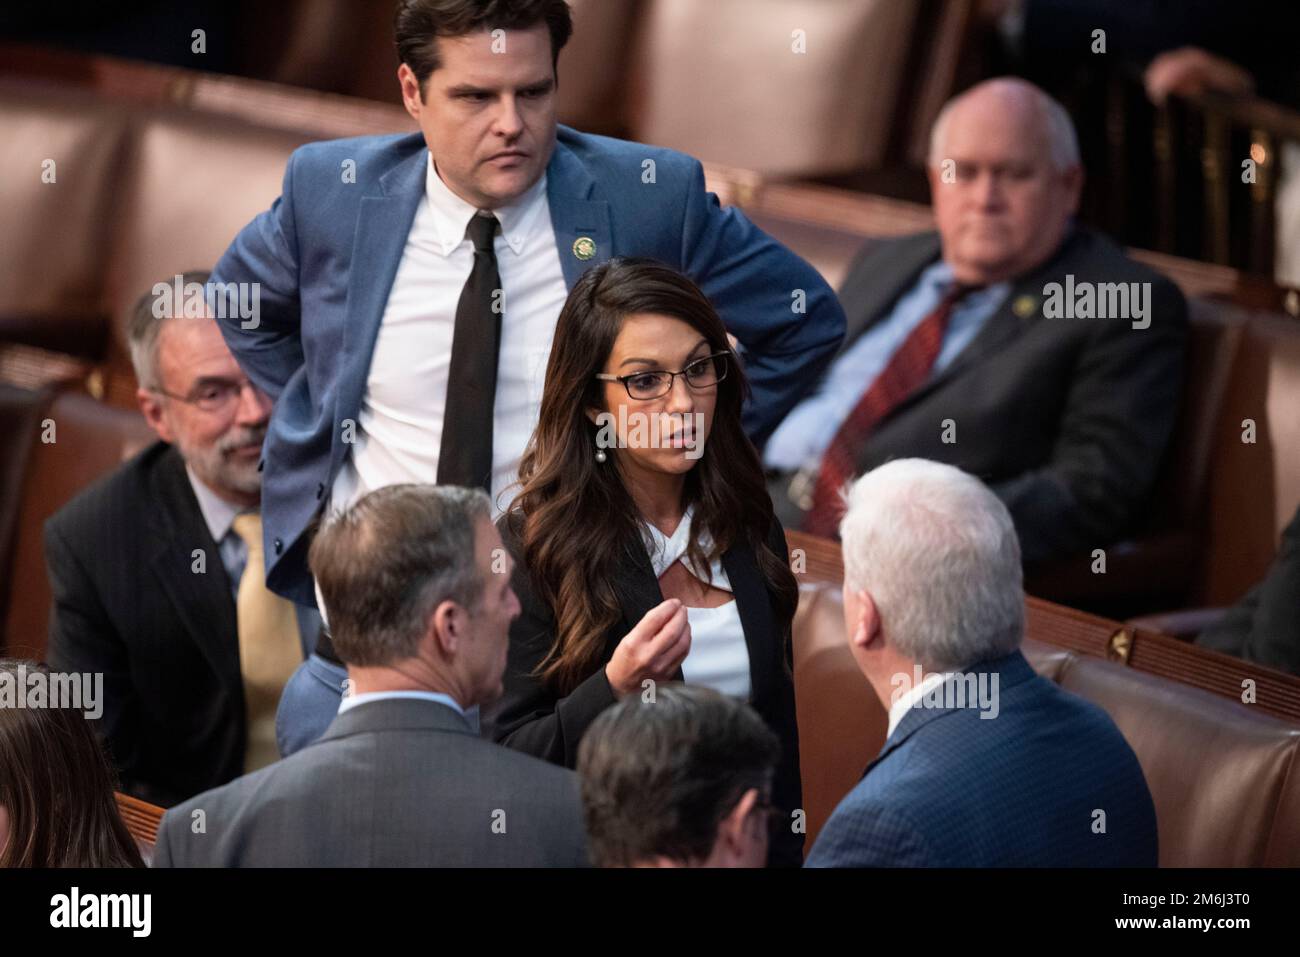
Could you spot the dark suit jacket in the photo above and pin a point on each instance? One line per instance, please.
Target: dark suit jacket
(529, 716)
(1066, 419)
(396, 783)
(128, 604)
(1265, 625)
(1021, 789)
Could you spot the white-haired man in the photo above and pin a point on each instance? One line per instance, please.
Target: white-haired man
(986, 764)
(1010, 342)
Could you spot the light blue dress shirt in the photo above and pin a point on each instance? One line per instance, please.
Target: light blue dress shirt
(801, 439)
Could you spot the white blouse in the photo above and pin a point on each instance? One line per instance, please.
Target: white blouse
(719, 657)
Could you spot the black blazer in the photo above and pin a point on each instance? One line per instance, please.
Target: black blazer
(530, 718)
(1066, 419)
(127, 603)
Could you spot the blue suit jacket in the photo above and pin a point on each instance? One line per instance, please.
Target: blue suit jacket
(325, 254)
(952, 789)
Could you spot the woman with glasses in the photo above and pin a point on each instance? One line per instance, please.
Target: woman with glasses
(645, 545)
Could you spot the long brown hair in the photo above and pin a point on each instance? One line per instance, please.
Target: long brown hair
(57, 787)
(575, 518)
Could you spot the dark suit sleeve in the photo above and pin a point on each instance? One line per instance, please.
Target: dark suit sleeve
(1119, 414)
(266, 253)
(530, 717)
(786, 845)
(781, 548)
(758, 286)
(83, 639)
(1264, 626)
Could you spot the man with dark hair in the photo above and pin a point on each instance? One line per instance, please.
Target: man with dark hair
(408, 286)
(420, 607)
(157, 574)
(679, 779)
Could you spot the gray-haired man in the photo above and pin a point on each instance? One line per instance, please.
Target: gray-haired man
(1010, 342)
(157, 572)
(418, 590)
(985, 763)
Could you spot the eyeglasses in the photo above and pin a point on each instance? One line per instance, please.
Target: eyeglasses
(703, 373)
(212, 396)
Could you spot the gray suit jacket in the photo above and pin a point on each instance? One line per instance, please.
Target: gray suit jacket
(397, 783)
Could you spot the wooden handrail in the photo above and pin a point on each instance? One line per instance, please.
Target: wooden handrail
(141, 817)
(817, 561)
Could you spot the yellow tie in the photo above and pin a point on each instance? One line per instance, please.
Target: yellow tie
(269, 647)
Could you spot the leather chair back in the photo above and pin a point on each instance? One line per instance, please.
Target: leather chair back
(90, 439)
(1255, 485)
(825, 110)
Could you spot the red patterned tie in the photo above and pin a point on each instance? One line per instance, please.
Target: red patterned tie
(907, 369)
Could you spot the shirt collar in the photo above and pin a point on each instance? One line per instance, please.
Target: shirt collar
(898, 710)
(451, 214)
(218, 514)
(354, 700)
(664, 550)
(938, 277)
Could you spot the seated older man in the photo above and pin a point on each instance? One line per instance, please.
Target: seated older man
(419, 610)
(157, 569)
(986, 763)
(1012, 343)
(682, 779)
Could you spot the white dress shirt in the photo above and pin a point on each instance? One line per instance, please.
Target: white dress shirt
(353, 700)
(399, 429)
(719, 657)
(912, 698)
(471, 715)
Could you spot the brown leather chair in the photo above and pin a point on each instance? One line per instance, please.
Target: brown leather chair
(827, 110)
(90, 439)
(55, 234)
(193, 182)
(1254, 487)
(63, 152)
(1161, 565)
(21, 413)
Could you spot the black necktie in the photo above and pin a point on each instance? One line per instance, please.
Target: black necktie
(465, 457)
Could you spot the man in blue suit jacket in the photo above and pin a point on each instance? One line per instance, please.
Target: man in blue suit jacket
(343, 269)
(986, 764)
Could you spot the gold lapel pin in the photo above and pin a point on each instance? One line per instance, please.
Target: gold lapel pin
(584, 247)
(1024, 306)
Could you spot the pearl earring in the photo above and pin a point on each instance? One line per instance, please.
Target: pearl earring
(601, 456)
